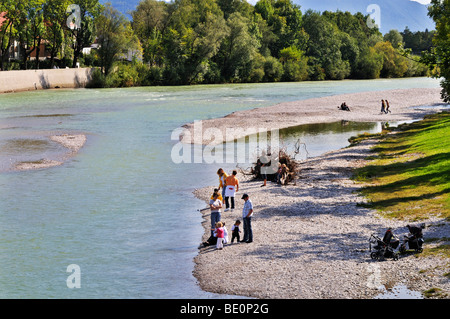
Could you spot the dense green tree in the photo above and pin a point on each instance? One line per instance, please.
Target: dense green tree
(395, 38)
(263, 32)
(273, 69)
(295, 64)
(416, 68)
(349, 47)
(285, 21)
(193, 38)
(114, 36)
(229, 7)
(149, 15)
(257, 72)
(354, 25)
(265, 9)
(439, 11)
(84, 35)
(369, 64)
(30, 30)
(418, 41)
(394, 64)
(238, 49)
(325, 46)
(55, 19)
(8, 30)
(150, 19)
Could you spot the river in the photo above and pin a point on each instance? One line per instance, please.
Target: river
(121, 210)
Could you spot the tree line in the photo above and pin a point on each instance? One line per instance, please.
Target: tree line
(212, 41)
(229, 41)
(28, 24)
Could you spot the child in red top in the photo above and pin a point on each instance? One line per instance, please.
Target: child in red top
(219, 235)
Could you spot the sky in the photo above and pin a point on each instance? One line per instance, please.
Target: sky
(422, 1)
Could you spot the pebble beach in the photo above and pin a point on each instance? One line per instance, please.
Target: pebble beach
(311, 238)
(364, 107)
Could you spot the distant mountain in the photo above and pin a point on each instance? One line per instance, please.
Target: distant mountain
(123, 6)
(393, 14)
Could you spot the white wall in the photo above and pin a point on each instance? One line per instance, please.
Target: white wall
(14, 81)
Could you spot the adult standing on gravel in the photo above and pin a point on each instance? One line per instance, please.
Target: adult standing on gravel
(215, 204)
(232, 186)
(247, 213)
(222, 177)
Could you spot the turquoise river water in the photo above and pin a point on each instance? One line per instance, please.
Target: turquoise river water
(121, 209)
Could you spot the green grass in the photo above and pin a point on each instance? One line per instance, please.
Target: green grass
(409, 175)
(435, 292)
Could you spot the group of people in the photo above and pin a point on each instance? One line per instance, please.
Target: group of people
(385, 106)
(344, 107)
(279, 175)
(228, 186)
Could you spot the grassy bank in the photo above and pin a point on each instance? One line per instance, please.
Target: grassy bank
(409, 175)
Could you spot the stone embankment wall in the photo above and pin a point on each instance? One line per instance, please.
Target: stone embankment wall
(15, 81)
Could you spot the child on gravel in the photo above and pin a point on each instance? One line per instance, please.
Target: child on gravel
(219, 235)
(235, 231)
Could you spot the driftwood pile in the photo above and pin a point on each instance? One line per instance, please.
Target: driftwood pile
(283, 172)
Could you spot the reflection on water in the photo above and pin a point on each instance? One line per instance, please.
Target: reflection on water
(301, 141)
(399, 292)
(45, 115)
(437, 107)
(22, 145)
(315, 139)
(310, 140)
(327, 128)
(28, 150)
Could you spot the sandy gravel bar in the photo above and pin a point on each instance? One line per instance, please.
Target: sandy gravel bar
(365, 107)
(311, 240)
(43, 163)
(73, 142)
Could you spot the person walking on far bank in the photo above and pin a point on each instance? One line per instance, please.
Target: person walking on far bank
(387, 107)
(247, 213)
(383, 106)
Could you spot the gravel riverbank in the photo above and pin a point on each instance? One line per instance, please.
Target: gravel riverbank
(365, 107)
(311, 240)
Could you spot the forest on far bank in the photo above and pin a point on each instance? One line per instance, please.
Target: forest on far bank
(211, 41)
